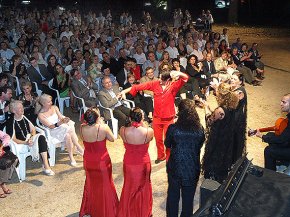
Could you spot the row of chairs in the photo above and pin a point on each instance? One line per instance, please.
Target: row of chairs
(22, 151)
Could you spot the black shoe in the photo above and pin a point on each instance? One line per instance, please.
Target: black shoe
(256, 83)
(160, 160)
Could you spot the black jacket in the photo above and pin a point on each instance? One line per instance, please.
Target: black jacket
(184, 163)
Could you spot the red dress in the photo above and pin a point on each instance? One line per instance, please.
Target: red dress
(100, 197)
(136, 198)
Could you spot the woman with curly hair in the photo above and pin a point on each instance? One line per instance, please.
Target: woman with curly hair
(185, 139)
(218, 156)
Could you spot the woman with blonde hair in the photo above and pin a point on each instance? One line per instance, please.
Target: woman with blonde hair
(218, 156)
(61, 127)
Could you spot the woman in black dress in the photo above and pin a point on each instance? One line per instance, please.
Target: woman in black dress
(237, 85)
(217, 159)
(185, 139)
(193, 69)
(28, 98)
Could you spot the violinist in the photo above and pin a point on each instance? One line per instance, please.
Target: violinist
(279, 145)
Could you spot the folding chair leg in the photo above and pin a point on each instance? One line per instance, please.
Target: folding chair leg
(61, 105)
(17, 170)
(67, 102)
(51, 155)
(115, 127)
(22, 167)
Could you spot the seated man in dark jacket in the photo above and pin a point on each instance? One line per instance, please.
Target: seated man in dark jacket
(279, 145)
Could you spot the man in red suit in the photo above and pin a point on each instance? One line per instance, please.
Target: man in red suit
(165, 90)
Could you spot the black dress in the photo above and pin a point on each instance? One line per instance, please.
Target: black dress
(240, 127)
(192, 84)
(217, 159)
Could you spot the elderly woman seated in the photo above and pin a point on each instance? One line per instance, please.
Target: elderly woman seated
(23, 132)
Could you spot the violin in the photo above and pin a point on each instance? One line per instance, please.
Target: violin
(280, 125)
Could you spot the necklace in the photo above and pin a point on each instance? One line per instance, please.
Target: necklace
(136, 124)
(24, 136)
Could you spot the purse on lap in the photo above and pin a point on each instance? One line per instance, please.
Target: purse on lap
(7, 159)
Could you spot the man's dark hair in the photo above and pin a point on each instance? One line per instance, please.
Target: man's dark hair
(4, 89)
(31, 59)
(165, 75)
(3, 76)
(72, 72)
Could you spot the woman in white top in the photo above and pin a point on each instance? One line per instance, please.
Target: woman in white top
(61, 127)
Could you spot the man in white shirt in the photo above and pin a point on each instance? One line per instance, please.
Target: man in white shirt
(172, 50)
(224, 36)
(200, 42)
(66, 33)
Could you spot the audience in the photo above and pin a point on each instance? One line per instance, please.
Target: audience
(100, 56)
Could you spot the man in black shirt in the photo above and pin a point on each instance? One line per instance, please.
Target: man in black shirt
(279, 145)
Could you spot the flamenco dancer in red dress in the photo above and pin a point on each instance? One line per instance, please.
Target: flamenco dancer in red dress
(100, 197)
(136, 198)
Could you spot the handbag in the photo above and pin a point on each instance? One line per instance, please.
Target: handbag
(8, 159)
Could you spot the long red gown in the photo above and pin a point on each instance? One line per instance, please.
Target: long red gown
(100, 198)
(136, 198)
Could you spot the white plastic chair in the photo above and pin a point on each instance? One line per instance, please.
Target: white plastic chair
(38, 91)
(51, 142)
(83, 107)
(18, 88)
(114, 120)
(61, 101)
(128, 103)
(22, 152)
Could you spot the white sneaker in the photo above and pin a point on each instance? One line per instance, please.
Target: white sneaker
(73, 163)
(49, 172)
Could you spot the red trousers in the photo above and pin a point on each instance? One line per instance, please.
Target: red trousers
(160, 126)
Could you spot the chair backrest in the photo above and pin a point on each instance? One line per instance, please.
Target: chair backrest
(83, 106)
(18, 88)
(37, 90)
(50, 83)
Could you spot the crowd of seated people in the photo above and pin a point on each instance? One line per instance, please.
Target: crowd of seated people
(93, 58)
